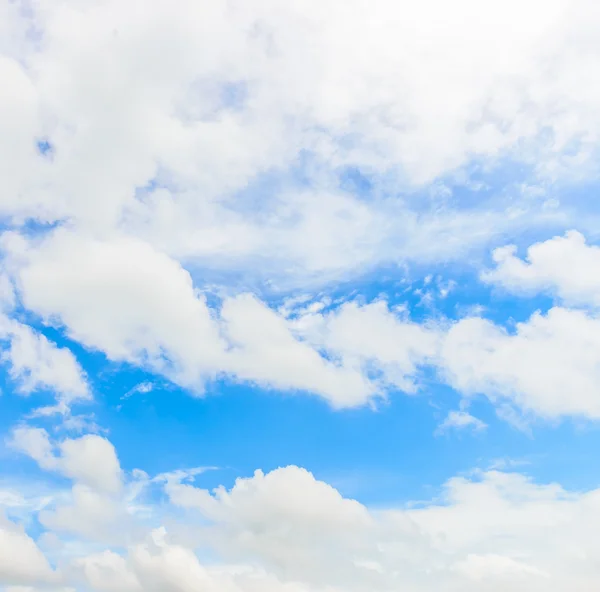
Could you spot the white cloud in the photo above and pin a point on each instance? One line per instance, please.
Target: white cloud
(139, 305)
(286, 531)
(37, 363)
(213, 108)
(265, 350)
(460, 420)
(373, 338)
(91, 515)
(107, 572)
(549, 365)
(246, 89)
(494, 567)
(490, 530)
(563, 266)
(21, 561)
(90, 460)
(124, 298)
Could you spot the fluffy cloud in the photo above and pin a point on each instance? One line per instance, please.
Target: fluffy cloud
(36, 363)
(265, 350)
(174, 126)
(381, 342)
(90, 460)
(96, 508)
(121, 297)
(563, 266)
(489, 530)
(549, 365)
(89, 515)
(135, 304)
(285, 531)
(21, 561)
(148, 153)
(187, 158)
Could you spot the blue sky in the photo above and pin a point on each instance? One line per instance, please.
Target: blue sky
(299, 297)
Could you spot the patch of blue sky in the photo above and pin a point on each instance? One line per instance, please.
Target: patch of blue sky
(239, 428)
(45, 147)
(234, 94)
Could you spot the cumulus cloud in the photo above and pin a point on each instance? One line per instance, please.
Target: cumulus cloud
(148, 152)
(287, 531)
(21, 561)
(121, 297)
(564, 266)
(138, 305)
(548, 365)
(381, 342)
(36, 363)
(186, 158)
(90, 459)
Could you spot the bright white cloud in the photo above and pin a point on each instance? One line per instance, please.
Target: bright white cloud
(37, 363)
(204, 99)
(121, 297)
(286, 531)
(176, 146)
(265, 350)
(90, 460)
(564, 266)
(489, 530)
(135, 304)
(21, 561)
(549, 365)
(90, 515)
(380, 342)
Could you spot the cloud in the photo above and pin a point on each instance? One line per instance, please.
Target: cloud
(265, 350)
(21, 561)
(90, 459)
(177, 146)
(90, 514)
(563, 266)
(147, 155)
(138, 305)
(123, 298)
(287, 531)
(382, 343)
(142, 388)
(494, 567)
(547, 366)
(460, 420)
(489, 529)
(36, 363)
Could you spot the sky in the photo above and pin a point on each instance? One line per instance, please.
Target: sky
(299, 296)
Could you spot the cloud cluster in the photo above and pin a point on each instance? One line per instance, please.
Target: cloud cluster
(227, 134)
(154, 151)
(286, 531)
(161, 160)
(135, 304)
(564, 266)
